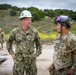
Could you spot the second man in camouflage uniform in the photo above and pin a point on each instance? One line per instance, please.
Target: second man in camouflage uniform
(64, 62)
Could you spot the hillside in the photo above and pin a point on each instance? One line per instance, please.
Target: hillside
(7, 22)
(46, 26)
(43, 20)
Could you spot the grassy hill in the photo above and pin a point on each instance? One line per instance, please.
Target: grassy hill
(8, 22)
(46, 26)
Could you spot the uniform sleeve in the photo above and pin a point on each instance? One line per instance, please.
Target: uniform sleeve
(10, 42)
(38, 44)
(73, 44)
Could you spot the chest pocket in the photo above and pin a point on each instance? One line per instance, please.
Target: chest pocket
(61, 48)
(30, 37)
(19, 37)
(65, 49)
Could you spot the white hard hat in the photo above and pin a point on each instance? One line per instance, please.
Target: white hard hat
(25, 13)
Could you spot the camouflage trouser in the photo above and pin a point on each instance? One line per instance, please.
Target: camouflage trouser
(27, 65)
(62, 72)
(1, 42)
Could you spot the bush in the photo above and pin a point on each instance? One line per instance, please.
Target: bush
(48, 37)
(13, 13)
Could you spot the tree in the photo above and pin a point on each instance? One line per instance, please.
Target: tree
(37, 14)
(13, 13)
(5, 6)
(49, 13)
(58, 12)
(16, 8)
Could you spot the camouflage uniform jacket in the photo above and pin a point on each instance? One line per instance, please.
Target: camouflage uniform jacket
(65, 52)
(25, 42)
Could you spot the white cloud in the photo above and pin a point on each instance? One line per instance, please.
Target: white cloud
(42, 4)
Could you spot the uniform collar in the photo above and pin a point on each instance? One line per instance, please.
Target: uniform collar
(27, 32)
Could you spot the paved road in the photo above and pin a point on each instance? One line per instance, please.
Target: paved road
(43, 61)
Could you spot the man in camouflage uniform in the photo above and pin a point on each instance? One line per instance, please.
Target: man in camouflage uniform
(64, 58)
(1, 38)
(26, 39)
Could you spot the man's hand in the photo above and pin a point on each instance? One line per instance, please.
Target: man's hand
(52, 67)
(70, 72)
(13, 56)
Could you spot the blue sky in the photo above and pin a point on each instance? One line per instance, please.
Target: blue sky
(43, 4)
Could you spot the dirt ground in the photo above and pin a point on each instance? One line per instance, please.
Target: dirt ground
(43, 61)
